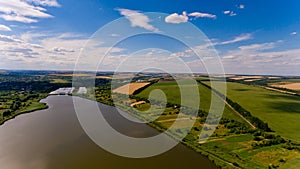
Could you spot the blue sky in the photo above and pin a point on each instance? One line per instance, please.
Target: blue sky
(250, 36)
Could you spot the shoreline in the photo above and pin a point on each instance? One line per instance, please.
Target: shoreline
(25, 111)
(211, 157)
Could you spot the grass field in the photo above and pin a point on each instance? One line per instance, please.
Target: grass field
(34, 106)
(225, 148)
(172, 93)
(280, 111)
(59, 80)
(237, 149)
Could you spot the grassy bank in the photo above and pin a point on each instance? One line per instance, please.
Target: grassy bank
(30, 105)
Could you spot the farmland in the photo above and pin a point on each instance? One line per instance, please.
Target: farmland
(285, 85)
(130, 88)
(172, 92)
(230, 148)
(280, 111)
(237, 142)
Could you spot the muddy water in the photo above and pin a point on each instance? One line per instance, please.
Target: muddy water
(54, 139)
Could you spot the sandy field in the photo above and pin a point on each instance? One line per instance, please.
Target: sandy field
(137, 103)
(103, 77)
(129, 88)
(251, 80)
(246, 77)
(291, 86)
(274, 77)
(68, 75)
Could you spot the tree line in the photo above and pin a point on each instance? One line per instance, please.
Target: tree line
(254, 120)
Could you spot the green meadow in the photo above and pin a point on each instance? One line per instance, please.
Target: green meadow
(281, 111)
(173, 95)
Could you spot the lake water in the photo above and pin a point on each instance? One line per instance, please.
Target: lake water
(54, 139)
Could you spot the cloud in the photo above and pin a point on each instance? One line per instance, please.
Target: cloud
(63, 50)
(226, 12)
(239, 38)
(176, 18)
(202, 15)
(52, 3)
(293, 33)
(241, 6)
(5, 38)
(115, 35)
(4, 28)
(258, 47)
(44, 53)
(46, 50)
(137, 19)
(18, 18)
(230, 13)
(228, 57)
(258, 59)
(185, 54)
(25, 11)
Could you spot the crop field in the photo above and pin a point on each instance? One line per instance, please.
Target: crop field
(245, 77)
(287, 85)
(71, 74)
(229, 149)
(281, 111)
(129, 88)
(243, 154)
(172, 93)
(103, 77)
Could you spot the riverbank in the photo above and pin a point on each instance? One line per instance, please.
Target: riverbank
(229, 157)
(55, 139)
(34, 106)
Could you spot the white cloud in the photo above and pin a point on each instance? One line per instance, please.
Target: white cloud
(63, 50)
(137, 19)
(257, 59)
(185, 54)
(24, 11)
(176, 18)
(226, 12)
(5, 38)
(239, 38)
(293, 33)
(4, 28)
(202, 15)
(18, 18)
(48, 51)
(52, 3)
(258, 47)
(241, 6)
(228, 57)
(230, 13)
(115, 35)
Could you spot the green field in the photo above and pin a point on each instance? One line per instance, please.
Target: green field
(172, 93)
(280, 111)
(237, 149)
(227, 149)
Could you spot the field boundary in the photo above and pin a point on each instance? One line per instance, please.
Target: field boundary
(224, 99)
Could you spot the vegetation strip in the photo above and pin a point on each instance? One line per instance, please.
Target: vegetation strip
(241, 111)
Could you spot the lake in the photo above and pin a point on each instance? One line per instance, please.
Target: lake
(53, 139)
